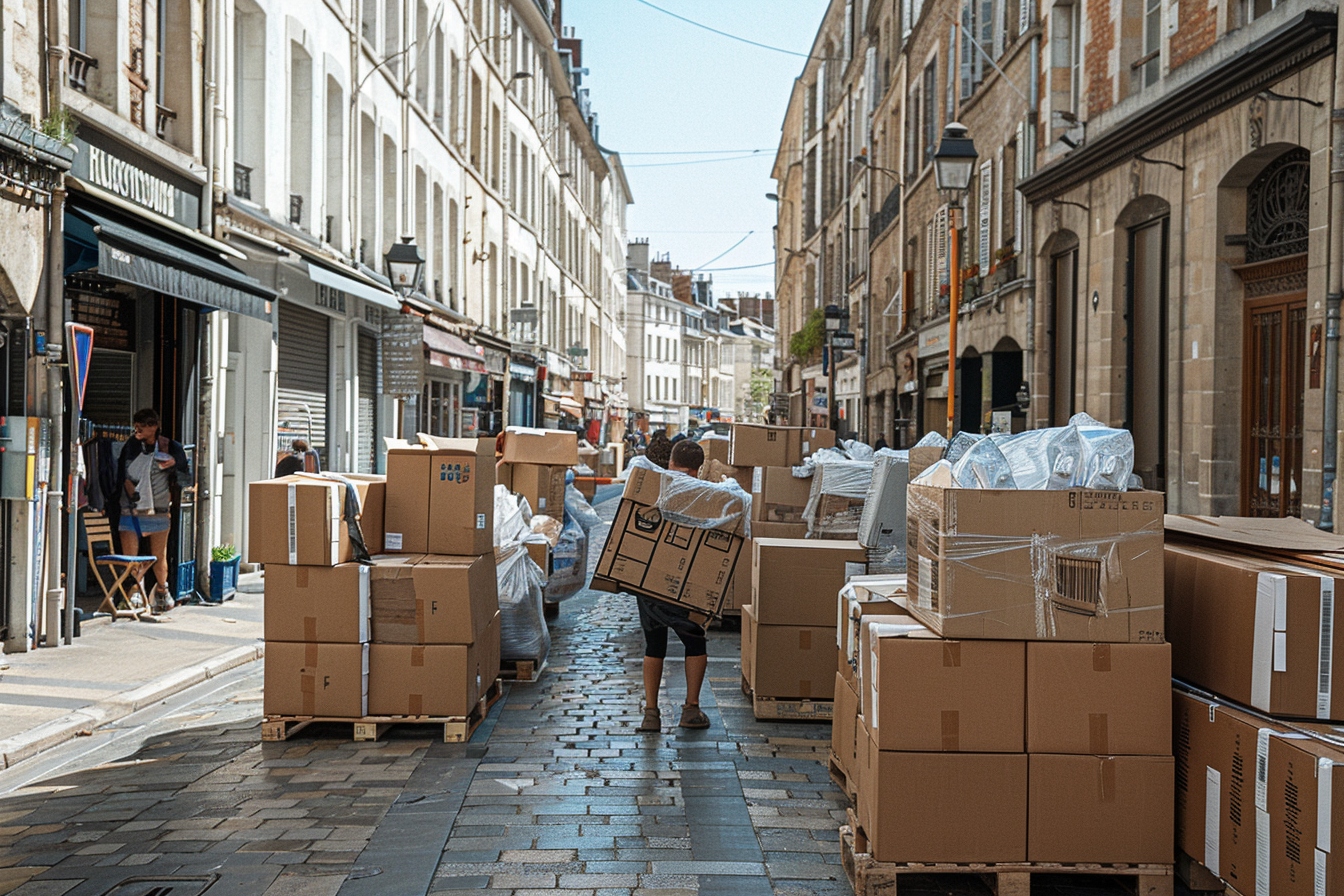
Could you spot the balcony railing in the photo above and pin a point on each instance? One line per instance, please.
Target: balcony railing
(891, 209)
(242, 181)
(295, 209)
(162, 115)
(80, 63)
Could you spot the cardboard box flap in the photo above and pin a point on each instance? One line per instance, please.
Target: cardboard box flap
(528, 445)
(1286, 534)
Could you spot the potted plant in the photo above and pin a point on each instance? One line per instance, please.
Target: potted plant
(224, 560)
(1005, 266)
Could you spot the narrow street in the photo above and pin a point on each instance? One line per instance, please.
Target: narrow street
(555, 790)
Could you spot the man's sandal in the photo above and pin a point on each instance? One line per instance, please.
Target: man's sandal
(693, 717)
(653, 720)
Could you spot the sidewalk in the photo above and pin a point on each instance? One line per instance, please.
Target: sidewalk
(116, 668)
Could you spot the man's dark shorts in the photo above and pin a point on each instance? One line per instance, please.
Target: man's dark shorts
(656, 617)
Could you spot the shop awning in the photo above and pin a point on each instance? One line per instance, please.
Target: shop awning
(135, 255)
(326, 276)
(452, 351)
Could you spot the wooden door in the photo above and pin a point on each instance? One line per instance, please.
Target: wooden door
(1275, 361)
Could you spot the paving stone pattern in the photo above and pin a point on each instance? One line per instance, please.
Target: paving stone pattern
(556, 791)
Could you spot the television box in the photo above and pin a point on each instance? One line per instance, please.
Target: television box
(791, 662)
(319, 604)
(844, 728)
(433, 679)
(882, 523)
(542, 485)
(777, 496)
(298, 521)
(929, 695)
(648, 555)
(525, 445)
(1107, 809)
(798, 581)
(1067, 565)
(440, 499)
(432, 599)
(757, 445)
(778, 530)
(1106, 699)
(1216, 794)
(311, 679)
(1255, 631)
(947, 807)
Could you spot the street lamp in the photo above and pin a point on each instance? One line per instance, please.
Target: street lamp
(404, 264)
(952, 166)
(835, 319)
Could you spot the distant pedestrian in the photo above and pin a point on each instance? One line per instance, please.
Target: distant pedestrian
(660, 449)
(881, 443)
(656, 618)
(151, 471)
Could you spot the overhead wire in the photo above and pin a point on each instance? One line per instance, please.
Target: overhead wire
(724, 252)
(754, 155)
(739, 38)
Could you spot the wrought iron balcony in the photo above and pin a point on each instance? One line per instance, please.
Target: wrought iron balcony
(242, 181)
(80, 63)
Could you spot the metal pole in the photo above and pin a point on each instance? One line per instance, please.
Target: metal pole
(954, 292)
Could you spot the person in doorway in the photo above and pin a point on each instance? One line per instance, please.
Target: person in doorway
(657, 618)
(151, 470)
(299, 459)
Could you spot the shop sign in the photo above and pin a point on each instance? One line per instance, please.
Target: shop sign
(524, 372)
(138, 181)
(403, 354)
(933, 342)
(496, 361)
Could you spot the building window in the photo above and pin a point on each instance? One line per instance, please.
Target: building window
(1277, 207)
(930, 113)
(1152, 42)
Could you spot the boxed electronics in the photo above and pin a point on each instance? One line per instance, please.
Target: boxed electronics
(882, 523)
(777, 496)
(757, 445)
(1067, 565)
(433, 679)
(328, 604)
(542, 485)
(796, 581)
(525, 445)
(440, 499)
(789, 661)
(316, 679)
(654, 556)
(432, 599)
(1254, 630)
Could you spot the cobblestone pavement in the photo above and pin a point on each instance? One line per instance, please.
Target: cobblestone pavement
(555, 791)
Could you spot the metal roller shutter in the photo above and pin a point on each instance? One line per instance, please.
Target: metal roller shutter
(111, 387)
(304, 378)
(367, 412)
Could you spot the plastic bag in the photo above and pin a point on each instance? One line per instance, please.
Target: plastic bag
(983, 466)
(547, 526)
(578, 508)
(938, 473)
(522, 625)
(569, 563)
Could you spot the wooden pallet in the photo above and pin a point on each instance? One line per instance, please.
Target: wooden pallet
(792, 709)
(841, 779)
(456, 729)
(872, 878)
(522, 671)
(1197, 878)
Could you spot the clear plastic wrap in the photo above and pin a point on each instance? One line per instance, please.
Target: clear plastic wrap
(983, 466)
(857, 450)
(932, 440)
(1043, 458)
(839, 491)
(960, 444)
(938, 473)
(688, 501)
(548, 527)
(522, 625)
(569, 563)
(578, 508)
(1108, 454)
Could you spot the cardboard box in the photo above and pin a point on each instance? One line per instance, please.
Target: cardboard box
(716, 448)
(406, 512)
(1216, 794)
(329, 680)
(777, 496)
(1105, 699)
(978, 559)
(525, 445)
(432, 599)
(882, 523)
(540, 552)
(757, 445)
(297, 520)
(778, 530)
(440, 500)
(738, 591)
(432, 679)
(948, 807)
(793, 661)
(923, 458)
(798, 582)
(684, 565)
(844, 728)
(748, 642)
(717, 471)
(865, 756)
(372, 488)
(854, 606)
(1254, 631)
(317, 604)
(1304, 800)
(929, 695)
(1100, 809)
(543, 486)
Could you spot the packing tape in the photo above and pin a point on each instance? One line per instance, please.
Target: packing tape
(415, 704)
(951, 731)
(1326, 649)
(1261, 852)
(336, 496)
(310, 655)
(1101, 657)
(301, 577)
(1325, 775)
(1213, 819)
(308, 689)
(1268, 587)
(417, 657)
(1098, 733)
(292, 524)
(1106, 781)
(952, 654)
(310, 629)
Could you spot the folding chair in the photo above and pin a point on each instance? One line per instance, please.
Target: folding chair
(121, 568)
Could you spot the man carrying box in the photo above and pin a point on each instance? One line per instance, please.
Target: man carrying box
(657, 617)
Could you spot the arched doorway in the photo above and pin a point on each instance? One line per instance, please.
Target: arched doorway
(1005, 379)
(1144, 226)
(1274, 330)
(970, 391)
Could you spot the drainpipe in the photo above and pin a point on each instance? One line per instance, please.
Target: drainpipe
(1333, 295)
(1028, 254)
(55, 314)
(208, 359)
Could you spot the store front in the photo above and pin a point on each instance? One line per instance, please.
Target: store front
(522, 391)
(452, 366)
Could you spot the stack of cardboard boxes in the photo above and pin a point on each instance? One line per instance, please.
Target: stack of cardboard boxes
(316, 620)
(1251, 621)
(534, 464)
(1022, 714)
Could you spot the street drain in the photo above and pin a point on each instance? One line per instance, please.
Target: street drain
(164, 885)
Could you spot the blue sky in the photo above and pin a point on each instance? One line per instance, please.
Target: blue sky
(660, 85)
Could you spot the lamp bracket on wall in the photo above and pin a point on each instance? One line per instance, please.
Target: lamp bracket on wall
(1086, 208)
(1160, 162)
(1271, 95)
